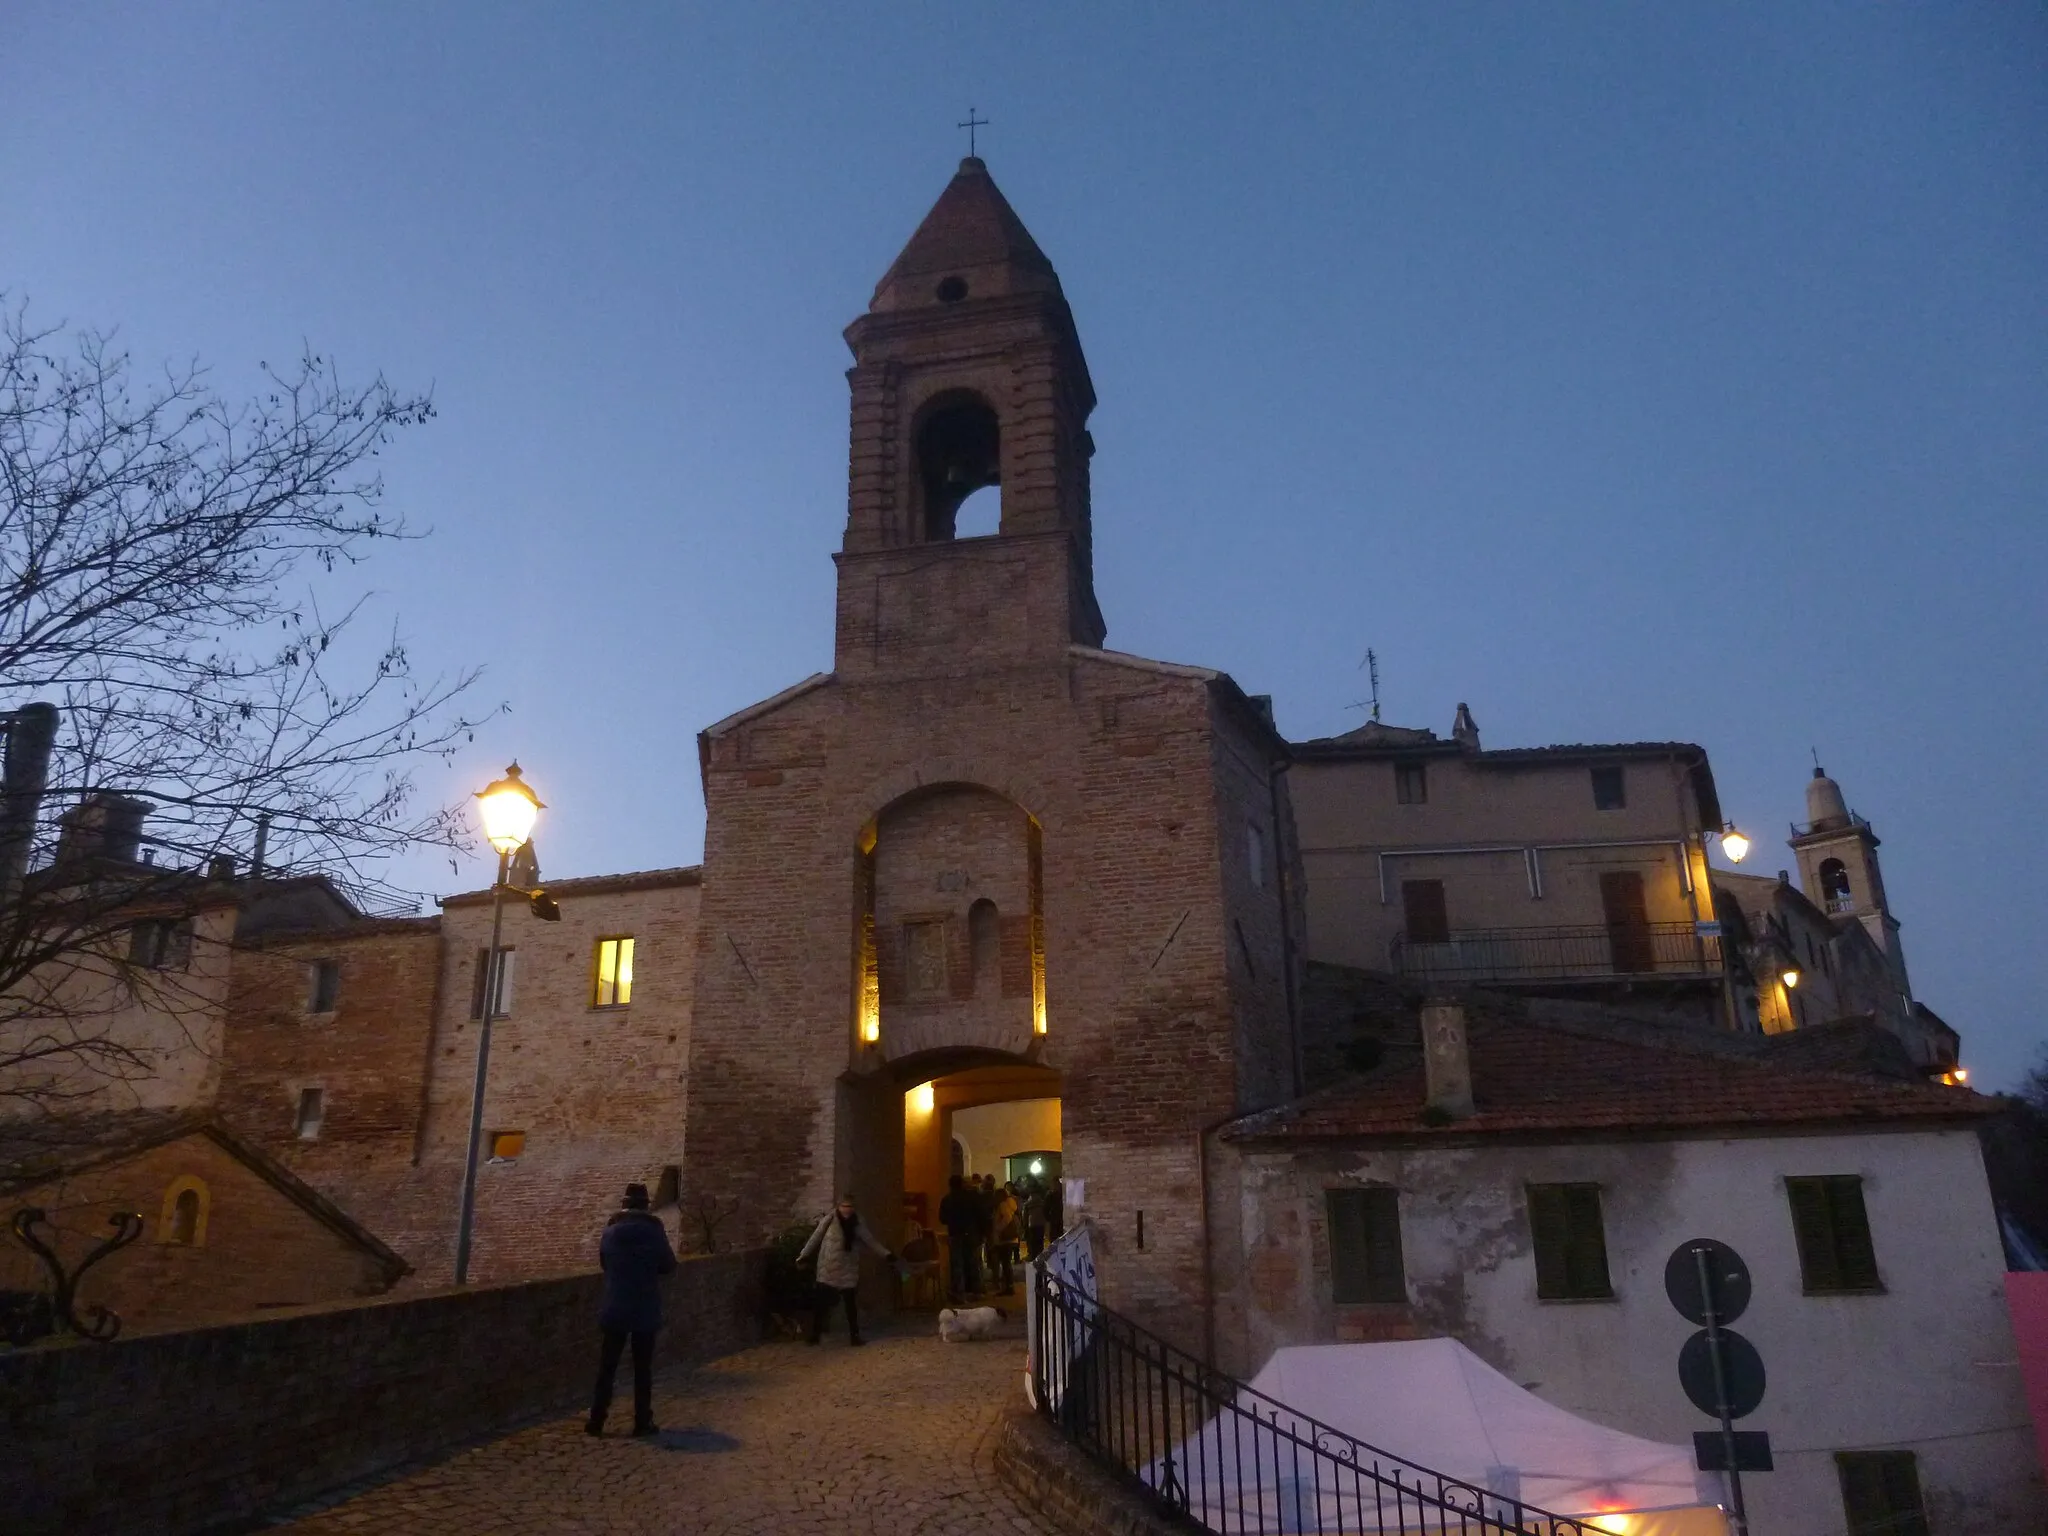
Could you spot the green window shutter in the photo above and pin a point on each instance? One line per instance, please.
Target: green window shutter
(1349, 1265)
(1587, 1255)
(1549, 1234)
(1386, 1277)
(1855, 1258)
(1814, 1233)
(1881, 1493)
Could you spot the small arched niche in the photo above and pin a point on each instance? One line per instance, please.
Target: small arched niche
(959, 452)
(183, 1222)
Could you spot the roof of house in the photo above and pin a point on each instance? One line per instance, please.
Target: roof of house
(1532, 1078)
(35, 1152)
(599, 885)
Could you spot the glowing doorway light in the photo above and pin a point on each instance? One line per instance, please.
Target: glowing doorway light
(1037, 1166)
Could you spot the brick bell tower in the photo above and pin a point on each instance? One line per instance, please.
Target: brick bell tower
(967, 373)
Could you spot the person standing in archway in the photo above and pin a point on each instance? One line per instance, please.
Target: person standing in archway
(836, 1247)
(960, 1215)
(1034, 1217)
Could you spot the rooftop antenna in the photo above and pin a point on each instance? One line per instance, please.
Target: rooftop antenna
(1371, 664)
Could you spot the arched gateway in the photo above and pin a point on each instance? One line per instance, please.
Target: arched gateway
(983, 857)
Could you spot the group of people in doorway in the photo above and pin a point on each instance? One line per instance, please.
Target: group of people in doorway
(986, 1223)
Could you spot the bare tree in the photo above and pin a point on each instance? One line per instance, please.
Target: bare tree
(164, 554)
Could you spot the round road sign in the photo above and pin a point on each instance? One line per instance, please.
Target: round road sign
(1724, 1266)
(1744, 1367)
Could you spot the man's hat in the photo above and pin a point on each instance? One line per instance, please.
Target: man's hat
(636, 1197)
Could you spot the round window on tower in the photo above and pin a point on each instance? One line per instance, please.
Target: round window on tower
(952, 290)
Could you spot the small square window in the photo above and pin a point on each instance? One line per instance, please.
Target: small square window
(1365, 1246)
(613, 986)
(312, 1111)
(1610, 790)
(323, 986)
(1881, 1493)
(1411, 783)
(1570, 1241)
(1832, 1228)
(507, 1145)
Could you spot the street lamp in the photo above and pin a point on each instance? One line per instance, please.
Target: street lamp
(508, 810)
(1734, 844)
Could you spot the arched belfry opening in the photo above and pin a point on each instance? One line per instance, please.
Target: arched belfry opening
(959, 452)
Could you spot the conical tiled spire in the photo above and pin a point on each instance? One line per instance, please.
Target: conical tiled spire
(971, 245)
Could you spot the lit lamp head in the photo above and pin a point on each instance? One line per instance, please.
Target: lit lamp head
(1734, 844)
(508, 809)
(1790, 978)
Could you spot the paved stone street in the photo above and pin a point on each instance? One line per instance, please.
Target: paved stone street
(892, 1438)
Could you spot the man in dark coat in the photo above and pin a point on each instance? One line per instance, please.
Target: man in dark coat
(634, 1254)
(960, 1215)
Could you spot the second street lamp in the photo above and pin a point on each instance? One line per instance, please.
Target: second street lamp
(508, 810)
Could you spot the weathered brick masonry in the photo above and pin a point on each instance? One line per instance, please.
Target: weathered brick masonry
(975, 745)
(182, 1432)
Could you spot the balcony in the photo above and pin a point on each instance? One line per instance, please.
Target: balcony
(1594, 952)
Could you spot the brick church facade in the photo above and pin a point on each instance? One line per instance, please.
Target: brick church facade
(982, 839)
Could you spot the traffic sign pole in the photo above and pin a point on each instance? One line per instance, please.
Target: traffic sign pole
(1738, 1517)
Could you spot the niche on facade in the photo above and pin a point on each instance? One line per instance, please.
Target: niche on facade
(959, 451)
(948, 925)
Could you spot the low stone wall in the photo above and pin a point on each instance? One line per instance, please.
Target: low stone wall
(175, 1433)
(1049, 1473)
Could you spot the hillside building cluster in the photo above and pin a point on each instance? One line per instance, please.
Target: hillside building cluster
(1378, 1036)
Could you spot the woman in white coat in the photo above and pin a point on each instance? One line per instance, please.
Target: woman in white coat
(836, 1246)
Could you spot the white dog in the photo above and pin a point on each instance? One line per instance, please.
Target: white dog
(968, 1323)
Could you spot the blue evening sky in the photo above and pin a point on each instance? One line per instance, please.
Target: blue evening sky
(1630, 372)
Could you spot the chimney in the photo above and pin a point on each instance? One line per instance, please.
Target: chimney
(221, 867)
(103, 825)
(1465, 730)
(1262, 706)
(1446, 1060)
(31, 732)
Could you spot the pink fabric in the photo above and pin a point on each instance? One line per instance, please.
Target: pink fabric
(2026, 1297)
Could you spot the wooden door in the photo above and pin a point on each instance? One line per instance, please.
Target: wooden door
(1628, 921)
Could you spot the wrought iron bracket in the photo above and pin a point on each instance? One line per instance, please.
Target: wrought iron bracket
(104, 1323)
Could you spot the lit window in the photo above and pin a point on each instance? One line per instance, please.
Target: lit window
(1411, 783)
(323, 989)
(614, 987)
(1610, 790)
(312, 1110)
(1832, 1228)
(1570, 1239)
(507, 1145)
(479, 983)
(1365, 1246)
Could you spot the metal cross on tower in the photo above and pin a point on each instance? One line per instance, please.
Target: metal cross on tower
(970, 125)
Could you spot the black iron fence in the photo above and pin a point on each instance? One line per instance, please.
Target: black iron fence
(1591, 952)
(1229, 1459)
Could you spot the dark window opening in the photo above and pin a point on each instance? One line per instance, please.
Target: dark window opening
(161, 944)
(1411, 783)
(1428, 920)
(1570, 1241)
(480, 983)
(959, 450)
(952, 290)
(312, 1110)
(185, 1218)
(1834, 885)
(1630, 944)
(323, 990)
(1881, 1493)
(1365, 1246)
(1610, 790)
(668, 1189)
(1832, 1229)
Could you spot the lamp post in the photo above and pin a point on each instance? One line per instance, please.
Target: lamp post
(508, 810)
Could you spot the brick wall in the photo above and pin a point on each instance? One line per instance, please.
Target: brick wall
(181, 1432)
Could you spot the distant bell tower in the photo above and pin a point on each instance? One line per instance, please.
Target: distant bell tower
(1838, 868)
(967, 373)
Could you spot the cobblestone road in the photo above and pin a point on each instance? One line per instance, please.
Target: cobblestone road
(892, 1438)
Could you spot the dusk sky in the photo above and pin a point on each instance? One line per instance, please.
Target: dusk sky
(1629, 372)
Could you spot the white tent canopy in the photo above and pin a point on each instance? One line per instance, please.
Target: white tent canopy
(1433, 1403)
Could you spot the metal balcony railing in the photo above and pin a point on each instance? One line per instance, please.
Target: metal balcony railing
(1592, 952)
